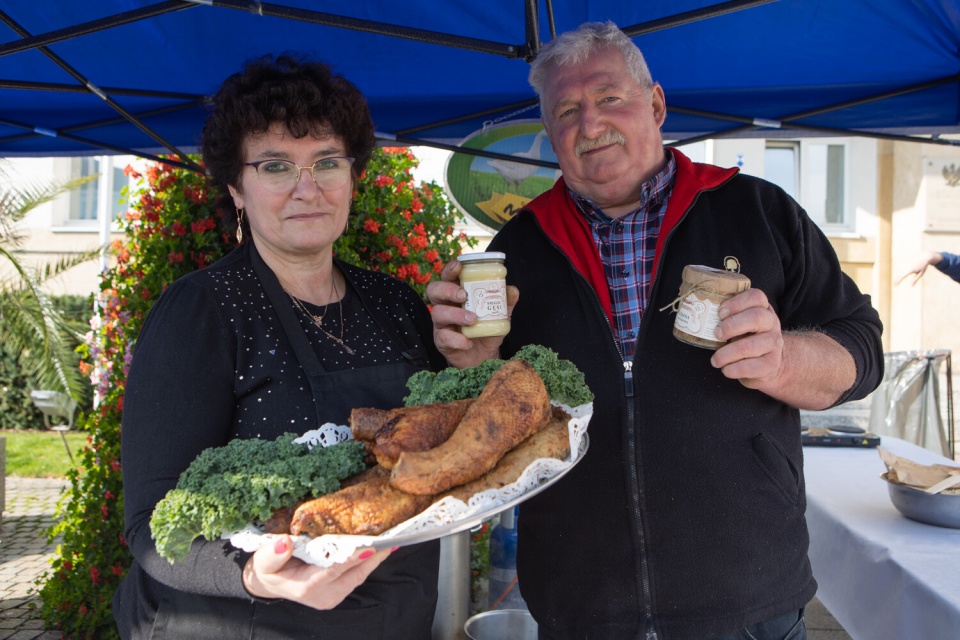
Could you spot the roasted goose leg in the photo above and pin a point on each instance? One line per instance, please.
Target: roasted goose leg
(512, 407)
(553, 441)
(368, 506)
(418, 429)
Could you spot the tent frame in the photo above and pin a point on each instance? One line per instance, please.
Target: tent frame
(526, 51)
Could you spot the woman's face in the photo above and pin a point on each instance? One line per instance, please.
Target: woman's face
(305, 219)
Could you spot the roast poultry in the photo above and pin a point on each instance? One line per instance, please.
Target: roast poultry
(491, 441)
(512, 406)
(553, 441)
(388, 432)
(370, 506)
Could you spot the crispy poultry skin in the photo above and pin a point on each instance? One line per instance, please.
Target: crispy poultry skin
(279, 521)
(365, 422)
(368, 506)
(513, 406)
(553, 441)
(417, 428)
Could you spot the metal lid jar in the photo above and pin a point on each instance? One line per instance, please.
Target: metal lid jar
(483, 276)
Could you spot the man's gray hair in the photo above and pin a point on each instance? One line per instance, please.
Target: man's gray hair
(574, 47)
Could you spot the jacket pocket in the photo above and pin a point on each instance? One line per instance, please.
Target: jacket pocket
(777, 466)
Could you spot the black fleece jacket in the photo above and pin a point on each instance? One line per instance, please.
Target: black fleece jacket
(687, 514)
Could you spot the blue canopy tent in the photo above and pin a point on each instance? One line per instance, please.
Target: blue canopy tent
(132, 76)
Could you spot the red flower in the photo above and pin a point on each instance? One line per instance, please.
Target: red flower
(371, 225)
(178, 229)
(419, 229)
(416, 205)
(431, 255)
(67, 565)
(437, 266)
(94, 576)
(383, 181)
(174, 258)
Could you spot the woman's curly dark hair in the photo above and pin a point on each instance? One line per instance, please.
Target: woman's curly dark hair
(304, 96)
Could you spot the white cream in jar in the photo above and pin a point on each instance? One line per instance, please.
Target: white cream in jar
(483, 276)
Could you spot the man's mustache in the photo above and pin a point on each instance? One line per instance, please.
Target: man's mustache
(609, 137)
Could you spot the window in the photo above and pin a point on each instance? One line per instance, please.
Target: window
(825, 174)
(85, 201)
(814, 172)
(781, 165)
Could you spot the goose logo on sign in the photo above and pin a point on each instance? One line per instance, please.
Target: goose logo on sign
(490, 190)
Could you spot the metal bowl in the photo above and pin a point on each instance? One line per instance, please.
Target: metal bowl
(502, 624)
(940, 509)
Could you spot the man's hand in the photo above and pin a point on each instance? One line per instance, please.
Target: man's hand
(807, 370)
(446, 295)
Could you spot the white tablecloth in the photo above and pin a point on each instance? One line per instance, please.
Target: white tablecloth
(881, 575)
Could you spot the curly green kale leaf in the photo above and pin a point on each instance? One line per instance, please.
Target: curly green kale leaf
(226, 487)
(564, 381)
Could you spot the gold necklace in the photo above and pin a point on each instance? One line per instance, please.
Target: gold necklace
(318, 320)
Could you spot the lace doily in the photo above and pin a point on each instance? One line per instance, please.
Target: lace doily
(442, 518)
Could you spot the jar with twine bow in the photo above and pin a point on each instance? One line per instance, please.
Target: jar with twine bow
(701, 292)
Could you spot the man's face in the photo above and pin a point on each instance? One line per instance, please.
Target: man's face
(605, 129)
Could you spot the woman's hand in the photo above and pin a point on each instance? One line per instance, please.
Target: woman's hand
(446, 295)
(273, 572)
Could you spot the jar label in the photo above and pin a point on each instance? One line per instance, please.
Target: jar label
(487, 299)
(698, 318)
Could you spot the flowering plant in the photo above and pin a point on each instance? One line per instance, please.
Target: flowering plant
(171, 228)
(398, 227)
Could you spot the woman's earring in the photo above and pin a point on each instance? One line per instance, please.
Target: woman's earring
(239, 226)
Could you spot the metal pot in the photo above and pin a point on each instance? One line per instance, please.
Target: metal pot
(502, 624)
(940, 509)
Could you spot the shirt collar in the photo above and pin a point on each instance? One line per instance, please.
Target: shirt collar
(652, 193)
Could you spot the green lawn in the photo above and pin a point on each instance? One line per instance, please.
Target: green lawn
(40, 454)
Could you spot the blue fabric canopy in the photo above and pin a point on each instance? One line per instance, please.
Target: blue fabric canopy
(131, 76)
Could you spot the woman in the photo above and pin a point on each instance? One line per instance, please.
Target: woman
(278, 336)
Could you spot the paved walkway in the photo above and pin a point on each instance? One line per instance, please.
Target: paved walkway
(25, 555)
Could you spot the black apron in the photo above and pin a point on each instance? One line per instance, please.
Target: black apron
(397, 600)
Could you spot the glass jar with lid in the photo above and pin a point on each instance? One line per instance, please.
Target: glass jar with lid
(483, 276)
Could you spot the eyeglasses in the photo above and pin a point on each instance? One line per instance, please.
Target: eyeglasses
(282, 176)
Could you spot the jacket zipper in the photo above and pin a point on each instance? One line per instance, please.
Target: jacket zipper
(643, 580)
(644, 586)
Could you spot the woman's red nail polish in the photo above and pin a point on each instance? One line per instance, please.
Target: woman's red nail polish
(280, 547)
(365, 555)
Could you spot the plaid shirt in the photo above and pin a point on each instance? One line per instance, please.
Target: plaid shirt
(627, 245)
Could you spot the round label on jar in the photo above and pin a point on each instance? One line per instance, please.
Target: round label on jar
(487, 299)
(698, 317)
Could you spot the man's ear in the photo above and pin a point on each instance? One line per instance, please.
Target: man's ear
(659, 103)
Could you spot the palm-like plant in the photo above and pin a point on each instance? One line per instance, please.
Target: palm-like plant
(30, 325)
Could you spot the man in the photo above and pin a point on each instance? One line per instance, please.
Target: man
(685, 519)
